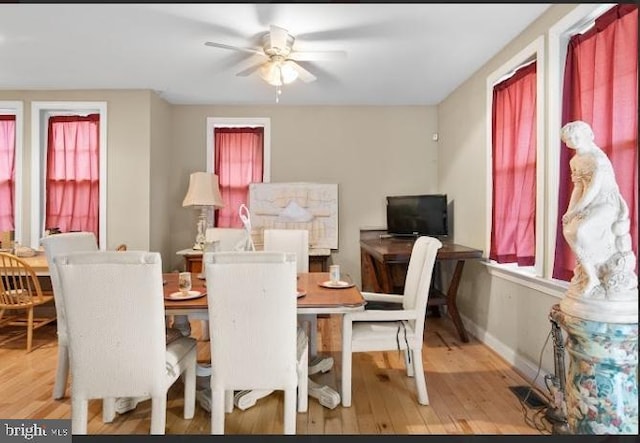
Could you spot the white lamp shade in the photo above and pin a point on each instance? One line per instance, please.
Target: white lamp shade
(203, 190)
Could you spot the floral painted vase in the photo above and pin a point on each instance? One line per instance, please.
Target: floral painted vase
(602, 381)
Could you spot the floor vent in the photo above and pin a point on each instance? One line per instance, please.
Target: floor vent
(529, 397)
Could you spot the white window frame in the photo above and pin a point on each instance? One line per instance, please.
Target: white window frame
(557, 37)
(8, 107)
(533, 51)
(40, 111)
(240, 122)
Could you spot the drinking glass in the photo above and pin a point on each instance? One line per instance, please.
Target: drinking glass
(334, 274)
(184, 282)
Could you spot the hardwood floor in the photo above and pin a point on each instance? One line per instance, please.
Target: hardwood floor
(467, 385)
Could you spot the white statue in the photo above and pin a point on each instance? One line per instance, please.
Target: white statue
(596, 226)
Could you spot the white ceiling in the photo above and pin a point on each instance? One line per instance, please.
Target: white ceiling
(398, 54)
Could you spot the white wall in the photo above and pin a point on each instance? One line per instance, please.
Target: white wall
(128, 160)
(369, 151)
(160, 181)
(512, 318)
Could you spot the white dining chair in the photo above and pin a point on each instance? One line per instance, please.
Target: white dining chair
(55, 245)
(295, 241)
(227, 239)
(253, 327)
(402, 329)
(114, 309)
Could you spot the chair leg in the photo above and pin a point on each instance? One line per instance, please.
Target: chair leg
(158, 414)
(290, 411)
(79, 415)
(108, 409)
(346, 360)
(408, 355)
(29, 329)
(421, 384)
(228, 401)
(189, 379)
(303, 381)
(217, 411)
(62, 372)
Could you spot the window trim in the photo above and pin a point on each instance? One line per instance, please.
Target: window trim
(230, 122)
(533, 51)
(40, 110)
(557, 35)
(17, 108)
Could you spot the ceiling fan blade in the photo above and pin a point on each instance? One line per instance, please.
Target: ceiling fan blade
(278, 37)
(234, 48)
(317, 55)
(303, 74)
(250, 70)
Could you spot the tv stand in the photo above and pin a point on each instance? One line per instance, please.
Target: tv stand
(384, 261)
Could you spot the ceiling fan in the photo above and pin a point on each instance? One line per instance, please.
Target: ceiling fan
(280, 66)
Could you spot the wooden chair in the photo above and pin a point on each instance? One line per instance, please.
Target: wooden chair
(20, 291)
(115, 317)
(254, 335)
(387, 330)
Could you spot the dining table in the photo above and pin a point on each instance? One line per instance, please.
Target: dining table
(315, 296)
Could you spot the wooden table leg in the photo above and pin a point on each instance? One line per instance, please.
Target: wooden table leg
(452, 293)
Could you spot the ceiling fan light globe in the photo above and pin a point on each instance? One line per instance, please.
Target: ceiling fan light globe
(270, 73)
(289, 74)
(278, 73)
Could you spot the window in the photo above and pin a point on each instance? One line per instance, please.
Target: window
(601, 88)
(514, 168)
(515, 101)
(11, 168)
(238, 152)
(73, 175)
(7, 171)
(68, 188)
(549, 108)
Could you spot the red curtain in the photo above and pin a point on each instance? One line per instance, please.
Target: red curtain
(73, 173)
(601, 88)
(238, 162)
(514, 169)
(7, 170)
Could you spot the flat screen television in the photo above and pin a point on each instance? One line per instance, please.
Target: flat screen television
(415, 215)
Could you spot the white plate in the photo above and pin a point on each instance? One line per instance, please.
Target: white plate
(337, 285)
(181, 296)
(301, 293)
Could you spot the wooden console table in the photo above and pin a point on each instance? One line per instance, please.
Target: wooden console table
(193, 261)
(384, 262)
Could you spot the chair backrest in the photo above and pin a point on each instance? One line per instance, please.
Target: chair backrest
(229, 239)
(252, 319)
(19, 286)
(418, 279)
(116, 322)
(58, 244)
(289, 240)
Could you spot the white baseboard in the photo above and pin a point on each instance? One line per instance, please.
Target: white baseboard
(525, 367)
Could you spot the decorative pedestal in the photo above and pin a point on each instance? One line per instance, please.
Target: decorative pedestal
(602, 381)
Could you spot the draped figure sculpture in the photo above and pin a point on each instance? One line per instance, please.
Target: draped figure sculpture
(596, 226)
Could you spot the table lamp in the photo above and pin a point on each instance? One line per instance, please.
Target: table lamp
(203, 192)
